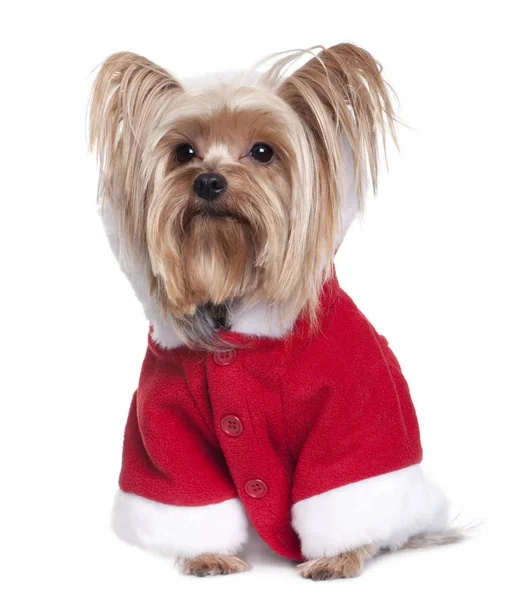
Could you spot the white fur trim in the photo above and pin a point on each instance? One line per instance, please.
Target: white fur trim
(180, 531)
(134, 269)
(164, 334)
(260, 320)
(385, 511)
(349, 207)
(248, 78)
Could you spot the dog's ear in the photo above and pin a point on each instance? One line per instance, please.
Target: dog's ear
(342, 85)
(129, 94)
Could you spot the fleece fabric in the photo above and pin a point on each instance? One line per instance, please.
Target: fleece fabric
(273, 422)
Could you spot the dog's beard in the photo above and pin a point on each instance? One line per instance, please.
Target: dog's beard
(204, 257)
(220, 259)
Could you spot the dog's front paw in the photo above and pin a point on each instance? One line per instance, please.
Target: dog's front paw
(347, 564)
(214, 564)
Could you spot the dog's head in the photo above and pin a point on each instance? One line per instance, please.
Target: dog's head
(234, 192)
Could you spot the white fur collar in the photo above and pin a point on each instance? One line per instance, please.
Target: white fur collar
(258, 320)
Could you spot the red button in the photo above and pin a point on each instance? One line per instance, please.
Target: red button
(256, 488)
(224, 357)
(232, 425)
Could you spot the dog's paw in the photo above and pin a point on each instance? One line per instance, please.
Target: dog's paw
(347, 564)
(214, 564)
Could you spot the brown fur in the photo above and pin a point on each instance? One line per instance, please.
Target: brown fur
(347, 564)
(440, 538)
(214, 564)
(351, 564)
(271, 237)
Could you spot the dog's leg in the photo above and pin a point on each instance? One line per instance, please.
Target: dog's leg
(214, 564)
(347, 564)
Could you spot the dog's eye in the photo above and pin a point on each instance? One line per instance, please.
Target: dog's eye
(262, 153)
(185, 153)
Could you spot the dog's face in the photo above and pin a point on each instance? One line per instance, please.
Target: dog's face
(233, 193)
(223, 203)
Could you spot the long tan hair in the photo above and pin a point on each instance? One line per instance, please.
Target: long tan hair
(277, 239)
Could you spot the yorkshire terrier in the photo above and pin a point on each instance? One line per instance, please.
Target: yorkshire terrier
(265, 394)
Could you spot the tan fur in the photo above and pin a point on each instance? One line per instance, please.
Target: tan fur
(272, 235)
(351, 564)
(347, 564)
(441, 538)
(214, 564)
(231, 251)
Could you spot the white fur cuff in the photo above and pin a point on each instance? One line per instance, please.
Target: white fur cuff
(180, 531)
(385, 511)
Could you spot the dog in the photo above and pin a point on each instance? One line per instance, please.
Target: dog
(265, 395)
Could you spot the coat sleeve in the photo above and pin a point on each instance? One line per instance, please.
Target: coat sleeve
(176, 496)
(358, 479)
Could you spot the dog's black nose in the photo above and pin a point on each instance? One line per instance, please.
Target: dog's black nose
(209, 186)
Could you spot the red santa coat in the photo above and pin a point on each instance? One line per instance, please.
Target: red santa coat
(274, 422)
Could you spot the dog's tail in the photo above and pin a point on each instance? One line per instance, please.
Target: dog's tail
(441, 538)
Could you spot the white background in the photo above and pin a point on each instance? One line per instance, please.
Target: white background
(436, 265)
